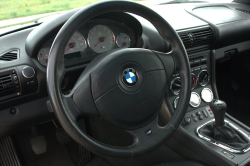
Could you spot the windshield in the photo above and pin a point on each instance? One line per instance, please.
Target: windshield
(17, 14)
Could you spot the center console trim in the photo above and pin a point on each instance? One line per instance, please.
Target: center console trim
(220, 144)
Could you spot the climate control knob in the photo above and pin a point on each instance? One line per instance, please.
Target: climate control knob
(194, 81)
(203, 78)
(175, 86)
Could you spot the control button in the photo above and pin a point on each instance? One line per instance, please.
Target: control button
(192, 115)
(188, 120)
(31, 82)
(16, 82)
(205, 113)
(13, 111)
(198, 113)
(201, 117)
(195, 119)
(28, 72)
(210, 112)
(15, 77)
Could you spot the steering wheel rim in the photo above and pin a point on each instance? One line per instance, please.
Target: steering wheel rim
(66, 108)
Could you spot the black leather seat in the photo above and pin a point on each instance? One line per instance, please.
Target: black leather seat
(180, 163)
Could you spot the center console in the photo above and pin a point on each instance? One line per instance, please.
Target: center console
(197, 134)
(202, 92)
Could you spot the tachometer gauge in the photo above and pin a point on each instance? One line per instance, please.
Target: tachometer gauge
(101, 38)
(77, 43)
(43, 55)
(123, 40)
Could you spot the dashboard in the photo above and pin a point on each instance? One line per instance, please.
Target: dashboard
(24, 100)
(93, 38)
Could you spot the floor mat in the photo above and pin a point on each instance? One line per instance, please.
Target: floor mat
(57, 154)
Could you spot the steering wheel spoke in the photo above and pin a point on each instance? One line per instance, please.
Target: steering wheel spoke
(167, 61)
(70, 107)
(151, 134)
(83, 99)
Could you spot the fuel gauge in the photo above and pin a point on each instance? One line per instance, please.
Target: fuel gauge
(43, 55)
(123, 40)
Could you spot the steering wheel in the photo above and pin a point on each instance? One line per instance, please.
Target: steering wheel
(124, 86)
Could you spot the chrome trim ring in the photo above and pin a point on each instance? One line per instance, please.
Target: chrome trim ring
(207, 78)
(27, 76)
(219, 144)
(192, 74)
(211, 93)
(171, 85)
(128, 39)
(176, 102)
(192, 103)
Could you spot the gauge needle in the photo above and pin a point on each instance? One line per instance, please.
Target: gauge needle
(43, 58)
(99, 41)
(71, 45)
(124, 44)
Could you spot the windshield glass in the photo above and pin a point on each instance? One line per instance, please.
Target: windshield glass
(17, 14)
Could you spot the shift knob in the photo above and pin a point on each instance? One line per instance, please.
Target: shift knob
(219, 109)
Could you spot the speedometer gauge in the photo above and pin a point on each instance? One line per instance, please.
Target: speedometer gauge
(76, 44)
(101, 39)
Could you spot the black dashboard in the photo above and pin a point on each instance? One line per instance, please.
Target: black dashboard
(23, 100)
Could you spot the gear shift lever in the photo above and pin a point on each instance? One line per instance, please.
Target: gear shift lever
(224, 132)
(219, 109)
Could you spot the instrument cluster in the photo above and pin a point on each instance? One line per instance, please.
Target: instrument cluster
(93, 38)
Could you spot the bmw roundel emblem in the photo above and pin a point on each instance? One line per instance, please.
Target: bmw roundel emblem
(130, 77)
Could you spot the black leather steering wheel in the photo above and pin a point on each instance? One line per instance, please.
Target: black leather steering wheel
(125, 86)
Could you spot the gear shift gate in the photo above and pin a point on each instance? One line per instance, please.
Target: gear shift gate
(220, 144)
(223, 133)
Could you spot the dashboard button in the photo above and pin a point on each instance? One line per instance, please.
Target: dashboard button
(201, 117)
(195, 119)
(188, 120)
(205, 113)
(198, 113)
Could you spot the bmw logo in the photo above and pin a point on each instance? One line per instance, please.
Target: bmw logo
(130, 77)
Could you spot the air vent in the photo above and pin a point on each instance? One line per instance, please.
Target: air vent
(9, 85)
(245, 11)
(196, 40)
(10, 55)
